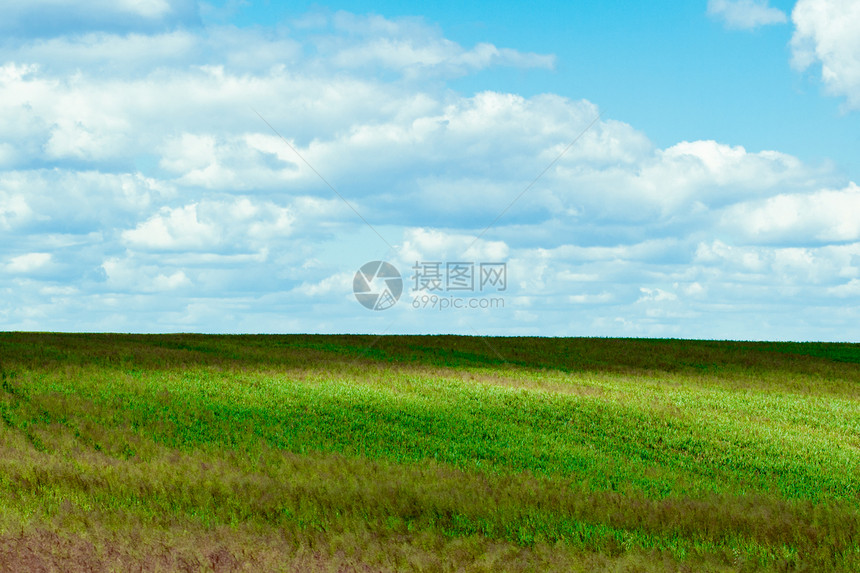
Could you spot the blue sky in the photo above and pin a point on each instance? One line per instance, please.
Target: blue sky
(715, 197)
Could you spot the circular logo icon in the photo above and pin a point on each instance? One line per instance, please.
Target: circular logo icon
(377, 285)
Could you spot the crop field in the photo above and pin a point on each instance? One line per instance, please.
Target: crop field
(426, 453)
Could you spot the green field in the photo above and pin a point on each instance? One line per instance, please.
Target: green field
(436, 453)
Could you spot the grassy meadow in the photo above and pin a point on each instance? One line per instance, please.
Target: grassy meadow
(436, 453)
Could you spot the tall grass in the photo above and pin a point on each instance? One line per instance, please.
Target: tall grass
(432, 453)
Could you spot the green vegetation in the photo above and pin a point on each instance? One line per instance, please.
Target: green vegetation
(342, 453)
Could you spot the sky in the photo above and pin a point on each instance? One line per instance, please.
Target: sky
(644, 169)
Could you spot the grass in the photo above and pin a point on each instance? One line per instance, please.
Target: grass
(193, 452)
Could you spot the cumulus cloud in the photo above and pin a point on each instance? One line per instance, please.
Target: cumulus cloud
(75, 201)
(24, 264)
(745, 14)
(174, 229)
(679, 184)
(826, 35)
(438, 245)
(824, 216)
(212, 226)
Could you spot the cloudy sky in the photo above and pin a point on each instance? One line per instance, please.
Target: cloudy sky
(672, 169)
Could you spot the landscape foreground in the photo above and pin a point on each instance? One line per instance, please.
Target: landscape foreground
(436, 453)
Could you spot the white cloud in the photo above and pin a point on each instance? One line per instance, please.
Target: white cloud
(655, 295)
(787, 266)
(78, 201)
(415, 49)
(688, 180)
(438, 245)
(14, 210)
(24, 264)
(174, 281)
(826, 34)
(824, 216)
(212, 226)
(174, 229)
(709, 163)
(444, 56)
(849, 289)
(603, 297)
(745, 14)
(339, 284)
(693, 289)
